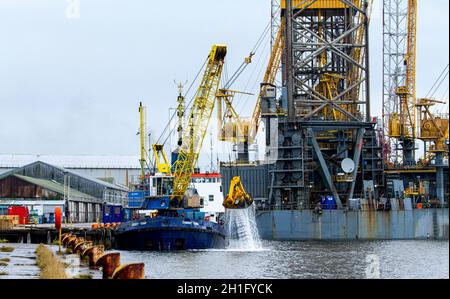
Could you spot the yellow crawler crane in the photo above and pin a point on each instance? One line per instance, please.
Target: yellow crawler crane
(237, 198)
(433, 128)
(198, 122)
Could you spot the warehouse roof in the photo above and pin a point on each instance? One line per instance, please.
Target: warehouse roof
(53, 186)
(63, 170)
(72, 161)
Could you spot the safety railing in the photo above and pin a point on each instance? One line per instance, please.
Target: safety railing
(375, 206)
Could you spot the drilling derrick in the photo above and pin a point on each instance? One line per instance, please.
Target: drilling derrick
(399, 99)
(327, 145)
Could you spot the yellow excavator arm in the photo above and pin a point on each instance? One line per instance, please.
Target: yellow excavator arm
(237, 198)
(162, 164)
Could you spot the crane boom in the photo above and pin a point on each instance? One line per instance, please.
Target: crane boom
(269, 78)
(143, 139)
(234, 128)
(358, 54)
(198, 122)
(410, 61)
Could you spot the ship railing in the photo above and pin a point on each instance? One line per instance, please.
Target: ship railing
(361, 207)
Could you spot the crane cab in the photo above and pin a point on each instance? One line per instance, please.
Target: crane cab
(159, 192)
(161, 185)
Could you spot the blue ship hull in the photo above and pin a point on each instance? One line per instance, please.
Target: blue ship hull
(169, 233)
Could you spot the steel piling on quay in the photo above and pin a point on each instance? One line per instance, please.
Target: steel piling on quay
(108, 261)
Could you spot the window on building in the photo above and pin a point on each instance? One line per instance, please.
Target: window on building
(211, 198)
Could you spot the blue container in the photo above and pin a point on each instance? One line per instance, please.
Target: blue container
(328, 203)
(136, 195)
(135, 203)
(51, 218)
(194, 215)
(136, 199)
(112, 214)
(3, 210)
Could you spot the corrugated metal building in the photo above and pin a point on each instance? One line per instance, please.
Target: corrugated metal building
(122, 170)
(40, 185)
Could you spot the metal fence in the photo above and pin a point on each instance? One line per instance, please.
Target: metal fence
(85, 217)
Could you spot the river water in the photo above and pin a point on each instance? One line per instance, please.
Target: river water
(312, 260)
(324, 260)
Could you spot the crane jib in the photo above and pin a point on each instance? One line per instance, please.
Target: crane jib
(199, 119)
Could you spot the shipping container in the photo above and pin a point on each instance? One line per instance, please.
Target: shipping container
(20, 211)
(112, 213)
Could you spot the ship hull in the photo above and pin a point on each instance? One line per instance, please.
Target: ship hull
(169, 235)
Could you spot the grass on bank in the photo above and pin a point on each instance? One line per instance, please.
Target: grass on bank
(6, 249)
(51, 267)
(3, 264)
(5, 259)
(3, 241)
(3, 273)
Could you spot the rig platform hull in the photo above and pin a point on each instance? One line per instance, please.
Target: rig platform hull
(340, 225)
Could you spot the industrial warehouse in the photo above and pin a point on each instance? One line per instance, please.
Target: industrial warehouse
(314, 152)
(42, 187)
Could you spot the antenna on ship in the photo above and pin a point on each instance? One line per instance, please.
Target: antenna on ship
(212, 170)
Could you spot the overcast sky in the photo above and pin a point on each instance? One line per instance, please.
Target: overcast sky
(72, 84)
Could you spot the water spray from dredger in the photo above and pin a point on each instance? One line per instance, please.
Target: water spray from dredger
(240, 218)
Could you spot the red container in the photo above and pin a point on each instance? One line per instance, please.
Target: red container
(22, 212)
